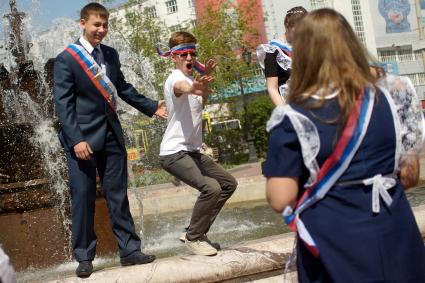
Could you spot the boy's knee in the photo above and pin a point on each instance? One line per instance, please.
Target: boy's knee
(212, 188)
(232, 184)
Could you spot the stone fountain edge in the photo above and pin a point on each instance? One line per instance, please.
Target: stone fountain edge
(245, 259)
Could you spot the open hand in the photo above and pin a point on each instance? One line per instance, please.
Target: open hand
(201, 86)
(83, 150)
(161, 111)
(210, 66)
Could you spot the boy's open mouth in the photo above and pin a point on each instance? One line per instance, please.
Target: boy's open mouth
(189, 66)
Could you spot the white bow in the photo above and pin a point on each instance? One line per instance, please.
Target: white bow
(380, 185)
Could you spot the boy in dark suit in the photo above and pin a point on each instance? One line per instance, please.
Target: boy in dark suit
(87, 81)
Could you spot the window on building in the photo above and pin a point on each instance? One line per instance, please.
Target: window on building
(413, 78)
(317, 4)
(358, 20)
(171, 6)
(154, 36)
(421, 78)
(398, 55)
(387, 55)
(175, 28)
(192, 23)
(405, 55)
(418, 55)
(151, 12)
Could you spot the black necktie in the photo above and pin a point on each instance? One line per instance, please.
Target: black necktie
(96, 56)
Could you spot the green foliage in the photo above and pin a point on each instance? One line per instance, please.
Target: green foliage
(230, 144)
(154, 177)
(141, 32)
(259, 110)
(223, 33)
(221, 36)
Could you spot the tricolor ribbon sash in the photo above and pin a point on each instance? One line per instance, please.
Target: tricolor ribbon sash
(99, 79)
(284, 47)
(334, 166)
(180, 49)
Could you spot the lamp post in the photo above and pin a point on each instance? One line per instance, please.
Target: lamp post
(246, 55)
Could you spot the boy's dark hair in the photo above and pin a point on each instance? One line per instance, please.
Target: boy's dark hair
(294, 15)
(94, 9)
(181, 37)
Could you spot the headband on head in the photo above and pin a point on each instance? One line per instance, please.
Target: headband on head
(180, 49)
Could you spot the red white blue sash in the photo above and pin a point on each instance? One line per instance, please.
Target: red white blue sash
(95, 73)
(333, 167)
(284, 47)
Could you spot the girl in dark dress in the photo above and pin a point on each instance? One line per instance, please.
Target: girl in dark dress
(275, 57)
(337, 158)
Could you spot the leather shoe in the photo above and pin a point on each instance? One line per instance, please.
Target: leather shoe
(84, 269)
(137, 258)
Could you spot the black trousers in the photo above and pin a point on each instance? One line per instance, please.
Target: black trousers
(215, 185)
(111, 165)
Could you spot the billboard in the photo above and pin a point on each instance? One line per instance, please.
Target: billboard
(396, 15)
(395, 22)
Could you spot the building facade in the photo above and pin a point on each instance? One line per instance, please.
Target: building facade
(391, 30)
(175, 14)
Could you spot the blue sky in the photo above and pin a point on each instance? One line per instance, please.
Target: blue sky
(43, 12)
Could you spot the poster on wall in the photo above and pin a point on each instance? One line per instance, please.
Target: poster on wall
(390, 67)
(395, 22)
(395, 13)
(422, 5)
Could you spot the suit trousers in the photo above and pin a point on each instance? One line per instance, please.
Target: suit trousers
(111, 165)
(215, 185)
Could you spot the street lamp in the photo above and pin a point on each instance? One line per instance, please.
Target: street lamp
(246, 55)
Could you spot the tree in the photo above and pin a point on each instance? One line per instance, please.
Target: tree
(139, 32)
(224, 31)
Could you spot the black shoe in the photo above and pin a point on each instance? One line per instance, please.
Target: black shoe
(84, 269)
(136, 258)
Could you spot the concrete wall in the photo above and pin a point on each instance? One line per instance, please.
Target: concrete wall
(163, 198)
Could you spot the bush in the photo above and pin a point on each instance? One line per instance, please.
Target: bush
(259, 110)
(230, 144)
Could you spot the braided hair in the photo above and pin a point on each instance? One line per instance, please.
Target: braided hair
(294, 15)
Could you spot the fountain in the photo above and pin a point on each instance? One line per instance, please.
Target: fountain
(34, 199)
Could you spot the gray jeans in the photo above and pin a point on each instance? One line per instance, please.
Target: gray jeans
(213, 182)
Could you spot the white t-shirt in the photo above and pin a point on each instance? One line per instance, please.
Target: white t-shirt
(184, 130)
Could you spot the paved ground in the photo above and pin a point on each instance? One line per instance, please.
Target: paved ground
(254, 169)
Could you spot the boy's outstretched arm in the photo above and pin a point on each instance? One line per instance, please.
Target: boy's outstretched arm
(199, 87)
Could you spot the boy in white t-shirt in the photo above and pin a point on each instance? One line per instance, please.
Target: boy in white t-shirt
(180, 147)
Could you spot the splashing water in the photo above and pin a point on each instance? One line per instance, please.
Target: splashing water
(32, 107)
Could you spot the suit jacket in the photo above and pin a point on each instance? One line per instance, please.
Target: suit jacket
(83, 113)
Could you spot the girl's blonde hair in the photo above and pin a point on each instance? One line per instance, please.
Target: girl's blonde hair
(327, 54)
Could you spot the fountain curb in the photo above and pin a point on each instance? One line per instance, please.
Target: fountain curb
(242, 260)
(252, 259)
